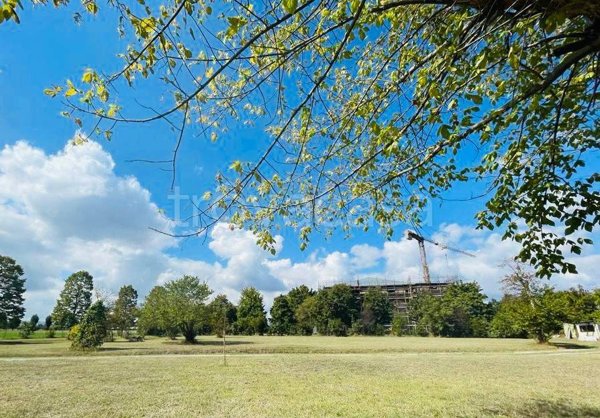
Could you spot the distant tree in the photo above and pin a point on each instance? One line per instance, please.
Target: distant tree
(92, 328)
(25, 329)
(154, 317)
(282, 316)
(336, 308)
(376, 311)
(298, 294)
(576, 305)
(465, 312)
(179, 305)
(74, 300)
(223, 315)
(251, 318)
(295, 298)
(462, 311)
(125, 312)
(537, 309)
(307, 316)
(508, 322)
(34, 321)
(12, 287)
(48, 322)
(425, 311)
(596, 313)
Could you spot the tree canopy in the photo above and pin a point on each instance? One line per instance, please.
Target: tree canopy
(124, 312)
(372, 109)
(460, 312)
(223, 315)
(74, 300)
(179, 305)
(282, 316)
(251, 315)
(376, 311)
(92, 329)
(12, 287)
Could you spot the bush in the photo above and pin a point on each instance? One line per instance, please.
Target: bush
(337, 327)
(92, 328)
(356, 328)
(50, 333)
(73, 333)
(360, 328)
(378, 329)
(26, 329)
(399, 325)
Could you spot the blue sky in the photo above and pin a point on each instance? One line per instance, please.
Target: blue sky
(47, 48)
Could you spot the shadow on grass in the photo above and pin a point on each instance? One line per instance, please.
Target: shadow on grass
(571, 346)
(227, 342)
(207, 343)
(122, 349)
(25, 342)
(569, 408)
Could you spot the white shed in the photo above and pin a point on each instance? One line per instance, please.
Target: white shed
(585, 331)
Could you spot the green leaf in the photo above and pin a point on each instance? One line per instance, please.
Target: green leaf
(235, 24)
(102, 92)
(52, 92)
(236, 166)
(112, 110)
(290, 6)
(444, 131)
(88, 76)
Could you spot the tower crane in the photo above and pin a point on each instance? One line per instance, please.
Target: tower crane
(420, 240)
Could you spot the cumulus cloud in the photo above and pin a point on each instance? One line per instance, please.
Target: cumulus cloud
(69, 211)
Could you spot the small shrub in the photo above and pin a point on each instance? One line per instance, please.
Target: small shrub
(378, 329)
(398, 325)
(356, 328)
(92, 328)
(73, 333)
(337, 327)
(50, 333)
(25, 330)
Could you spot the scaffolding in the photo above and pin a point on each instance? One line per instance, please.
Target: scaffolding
(400, 293)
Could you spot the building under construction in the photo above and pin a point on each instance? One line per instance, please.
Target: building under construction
(399, 294)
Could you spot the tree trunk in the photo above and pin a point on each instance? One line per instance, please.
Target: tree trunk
(189, 332)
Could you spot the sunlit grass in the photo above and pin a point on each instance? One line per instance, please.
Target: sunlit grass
(274, 344)
(361, 376)
(13, 334)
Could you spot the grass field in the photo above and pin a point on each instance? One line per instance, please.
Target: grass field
(13, 334)
(301, 376)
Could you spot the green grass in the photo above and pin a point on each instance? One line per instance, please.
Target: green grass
(272, 345)
(301, 376)
(13, 334)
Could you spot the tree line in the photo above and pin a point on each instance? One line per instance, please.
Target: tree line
(530, 307)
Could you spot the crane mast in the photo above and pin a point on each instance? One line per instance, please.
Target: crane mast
(421, 240)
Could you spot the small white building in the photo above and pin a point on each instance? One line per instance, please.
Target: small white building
(585, 331)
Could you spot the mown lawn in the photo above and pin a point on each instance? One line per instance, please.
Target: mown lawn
(13, 334)
(302, 376)
(272, 345)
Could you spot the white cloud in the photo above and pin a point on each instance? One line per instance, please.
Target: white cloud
(365, 256)
(69, 211)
